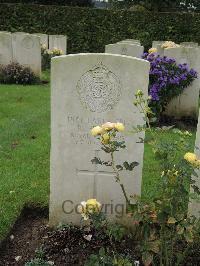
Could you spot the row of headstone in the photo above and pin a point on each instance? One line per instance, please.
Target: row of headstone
(53, 41)
(187, 104)
(25, 48)
(21, 47)
(129, 47)
(93, 89)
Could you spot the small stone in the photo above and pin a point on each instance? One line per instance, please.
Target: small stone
(12, 237)
(18, 258)
(50, 262)
(88, 237)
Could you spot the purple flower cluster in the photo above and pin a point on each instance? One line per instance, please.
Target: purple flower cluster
(167, 79)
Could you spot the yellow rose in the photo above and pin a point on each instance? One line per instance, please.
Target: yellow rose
(96, 131)
(190, 157)
(153, 50)
(105, 138)
(93, 205)
(119, 127)
(108, 126)
(169, 44)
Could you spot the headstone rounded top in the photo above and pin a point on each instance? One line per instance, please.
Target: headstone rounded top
(100, 55)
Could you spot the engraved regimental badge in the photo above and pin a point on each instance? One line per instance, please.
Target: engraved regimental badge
(99, 89)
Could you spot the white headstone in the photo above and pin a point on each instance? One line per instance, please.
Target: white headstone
(189, 44)
(194, 206)
(43, 38)
(27, 51)
(131, 41)
(88, 90)
(5, 48)
(155, 43)
(187, 104)
(125, 49)
(160, 50)
(58, 41)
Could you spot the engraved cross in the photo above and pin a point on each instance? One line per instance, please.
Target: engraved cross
(95, 173)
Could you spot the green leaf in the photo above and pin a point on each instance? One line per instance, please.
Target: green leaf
(96, 160)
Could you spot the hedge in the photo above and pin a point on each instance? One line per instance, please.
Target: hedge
(53, 2)
(89, 30)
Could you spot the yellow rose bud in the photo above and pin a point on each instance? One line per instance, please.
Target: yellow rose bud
(105, 138)
(108, 126)
(139, 93)
(190, 157)
(119, 127)
(153, 50)
(96, 131)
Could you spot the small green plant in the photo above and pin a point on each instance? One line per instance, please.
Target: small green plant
(37, 262)
(14, 73)
(39, 259)
(105, 259)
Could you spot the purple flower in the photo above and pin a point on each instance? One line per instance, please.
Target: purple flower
(167, 79)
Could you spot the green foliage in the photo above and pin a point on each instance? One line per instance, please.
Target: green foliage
(89, 30)
(105, 259)
(37, 262)
(82, 3)
(15, 73)
(115, 231)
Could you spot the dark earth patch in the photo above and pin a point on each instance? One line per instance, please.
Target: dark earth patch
(67, 246)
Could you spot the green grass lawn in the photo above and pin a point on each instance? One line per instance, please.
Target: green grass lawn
(25, 150)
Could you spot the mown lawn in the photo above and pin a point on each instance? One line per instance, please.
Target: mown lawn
(25, 150)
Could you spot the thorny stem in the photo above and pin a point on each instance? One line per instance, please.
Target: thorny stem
(118, 179)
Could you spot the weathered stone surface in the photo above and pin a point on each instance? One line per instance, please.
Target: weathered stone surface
(124, 48)
(155, 43)
(6, 55)
(27, 51)
(130, 41)
(58, 41)
(187, 104)
(43, 39)
(88, 90)
(189, 44)
(194, 206)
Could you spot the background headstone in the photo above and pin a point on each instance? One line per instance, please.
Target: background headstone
(187, 104)
(6, 56)
(194, 206)
(189, 44)
(130, 41)
(43, 38)
(160, 50)
(58, 41)
(155, 43)
(88, 90)
(27, 51)
(125, 49)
